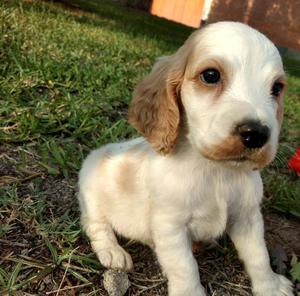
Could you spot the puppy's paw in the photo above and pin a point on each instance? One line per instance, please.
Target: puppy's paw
(115, 258)
(278, 286)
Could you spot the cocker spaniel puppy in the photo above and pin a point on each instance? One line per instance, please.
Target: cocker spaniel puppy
(210, 116)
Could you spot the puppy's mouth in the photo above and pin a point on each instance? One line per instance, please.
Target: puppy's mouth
(237, 159)
(257, 158)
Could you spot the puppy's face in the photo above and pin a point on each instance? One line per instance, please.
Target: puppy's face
(232, 93)
(228, 81)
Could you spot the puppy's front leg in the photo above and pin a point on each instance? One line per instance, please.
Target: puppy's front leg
(247, 233)
(174, 252)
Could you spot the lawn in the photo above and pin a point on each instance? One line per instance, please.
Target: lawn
(66, 78)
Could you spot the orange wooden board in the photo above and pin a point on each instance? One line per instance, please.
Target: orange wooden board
(187, 12)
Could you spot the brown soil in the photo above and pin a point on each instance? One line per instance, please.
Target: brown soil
(284, 231)
(220, 270)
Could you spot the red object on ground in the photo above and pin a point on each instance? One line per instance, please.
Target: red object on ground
(294, 162)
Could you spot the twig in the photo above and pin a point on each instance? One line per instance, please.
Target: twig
(6, 180)
(68, 288)
(7, 128)
(148, 280)
(80, 268)
(65, 273)
(237, 285)
(144, 289)
(16, 244)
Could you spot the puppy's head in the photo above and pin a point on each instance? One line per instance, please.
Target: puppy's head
(228, 81)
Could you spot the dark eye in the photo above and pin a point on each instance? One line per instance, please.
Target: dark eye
(210, 76)
(277, 89)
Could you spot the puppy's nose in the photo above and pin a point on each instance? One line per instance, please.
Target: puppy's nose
(253, 134)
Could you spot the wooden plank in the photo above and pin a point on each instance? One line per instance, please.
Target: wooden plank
(187, 12)
(192, 13)
(179, 10)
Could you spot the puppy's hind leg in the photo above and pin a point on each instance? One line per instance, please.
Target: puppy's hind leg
(102, 236)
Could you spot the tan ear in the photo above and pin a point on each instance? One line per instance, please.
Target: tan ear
(154, 110)
(155, 107)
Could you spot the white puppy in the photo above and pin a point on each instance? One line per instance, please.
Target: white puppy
(210, 115)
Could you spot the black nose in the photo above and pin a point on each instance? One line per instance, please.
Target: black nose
(253, 134)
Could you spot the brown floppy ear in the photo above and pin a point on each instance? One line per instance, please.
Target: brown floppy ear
(154, 110)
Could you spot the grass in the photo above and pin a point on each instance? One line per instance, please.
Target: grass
(66, 78)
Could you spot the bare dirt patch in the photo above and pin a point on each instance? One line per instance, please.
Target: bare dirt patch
(42, 211)
(284, 231)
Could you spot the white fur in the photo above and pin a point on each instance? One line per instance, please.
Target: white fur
(173, 199)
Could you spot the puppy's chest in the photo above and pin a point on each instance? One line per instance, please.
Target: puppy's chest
(208, 223)
(209, 213)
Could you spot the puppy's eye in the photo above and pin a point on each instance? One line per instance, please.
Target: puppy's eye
(210, 76)
(277, 89)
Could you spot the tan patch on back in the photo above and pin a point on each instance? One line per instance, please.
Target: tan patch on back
(128, 170)
(127, 176)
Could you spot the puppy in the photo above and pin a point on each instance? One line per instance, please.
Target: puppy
(210, 116)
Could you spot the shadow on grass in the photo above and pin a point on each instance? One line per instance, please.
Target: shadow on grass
(118, 18)
(134, 21)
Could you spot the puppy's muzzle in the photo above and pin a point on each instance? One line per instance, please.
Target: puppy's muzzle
(253, 134)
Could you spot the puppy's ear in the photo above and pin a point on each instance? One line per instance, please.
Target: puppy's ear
(154, 110)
